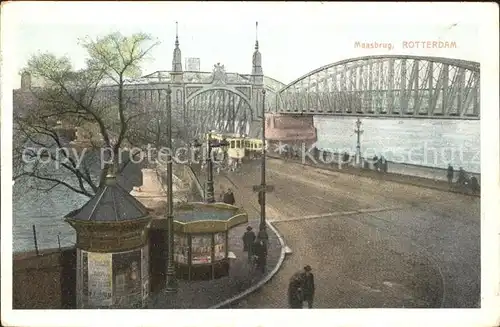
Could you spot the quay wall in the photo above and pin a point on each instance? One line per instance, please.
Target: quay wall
(48, 280)
(44, 281)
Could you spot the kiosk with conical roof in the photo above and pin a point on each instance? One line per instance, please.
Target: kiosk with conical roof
(112, 249)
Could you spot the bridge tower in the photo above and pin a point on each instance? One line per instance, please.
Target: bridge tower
(177, 79)
(257, 81)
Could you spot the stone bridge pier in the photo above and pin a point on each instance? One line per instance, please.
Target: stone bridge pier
(290, 129)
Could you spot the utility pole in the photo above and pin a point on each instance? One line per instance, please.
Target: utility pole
(358, 131)
(171, 286)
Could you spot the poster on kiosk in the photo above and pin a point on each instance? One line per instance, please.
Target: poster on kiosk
(100, 279)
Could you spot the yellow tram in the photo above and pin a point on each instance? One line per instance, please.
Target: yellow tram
(240, 146)
(253, 148)
(236, 148)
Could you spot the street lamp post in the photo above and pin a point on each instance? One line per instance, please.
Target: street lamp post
(171, 286)
(358, 132)
(209, 196)
(262, 226)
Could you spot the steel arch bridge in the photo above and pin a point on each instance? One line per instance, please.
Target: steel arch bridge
(219, 108)
(201, 101)
(396, 86)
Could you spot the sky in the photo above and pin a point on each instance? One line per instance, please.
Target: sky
(294, 38)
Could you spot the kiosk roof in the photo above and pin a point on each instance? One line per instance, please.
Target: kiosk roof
(111, 203)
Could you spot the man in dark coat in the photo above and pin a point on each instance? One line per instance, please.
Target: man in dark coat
(474, 185)
(229, 197)
(375, 162)
(462, 177)
(345, 158)
(260, 250)
(295, 291)
(248, 240)
(308, 286)
(449, 174)
(384, 164)
(380, 163)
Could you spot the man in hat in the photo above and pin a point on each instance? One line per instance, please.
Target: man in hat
(229, 197)
(248, 240)
(308, 286)
(295, 295)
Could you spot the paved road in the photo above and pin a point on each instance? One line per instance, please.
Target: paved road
(371, 243)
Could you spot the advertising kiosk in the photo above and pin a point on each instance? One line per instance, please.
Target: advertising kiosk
(112, 269)
(201, 238)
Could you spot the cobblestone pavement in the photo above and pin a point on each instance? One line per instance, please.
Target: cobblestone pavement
(371, 242)
(204, 294)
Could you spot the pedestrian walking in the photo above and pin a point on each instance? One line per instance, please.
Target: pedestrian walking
(380, 163)
(295, 298)
(462, 177)
(375, 162)
(383, 164)
(248, 241)
(308, 286)
(474, 185)
(260, 250)
(345, 158)
(229, 197)
(449, 174)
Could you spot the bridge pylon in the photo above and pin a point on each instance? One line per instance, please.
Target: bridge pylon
(177, 84)
(257, 80)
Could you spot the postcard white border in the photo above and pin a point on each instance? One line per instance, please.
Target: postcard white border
(483, 14)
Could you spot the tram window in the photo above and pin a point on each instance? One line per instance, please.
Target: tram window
(238, 144)
(232, 144)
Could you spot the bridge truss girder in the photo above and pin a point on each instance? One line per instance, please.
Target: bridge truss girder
(394, 86)
(213, 109)
(217, 109)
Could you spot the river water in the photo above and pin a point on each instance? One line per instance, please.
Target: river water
(422, 142)
(433, 143)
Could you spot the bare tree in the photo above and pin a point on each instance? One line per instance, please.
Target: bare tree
(107, 114)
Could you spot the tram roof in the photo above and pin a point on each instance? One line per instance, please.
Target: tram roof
(230, 135)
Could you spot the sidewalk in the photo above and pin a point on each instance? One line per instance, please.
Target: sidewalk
(206, 294)
(389, 176)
